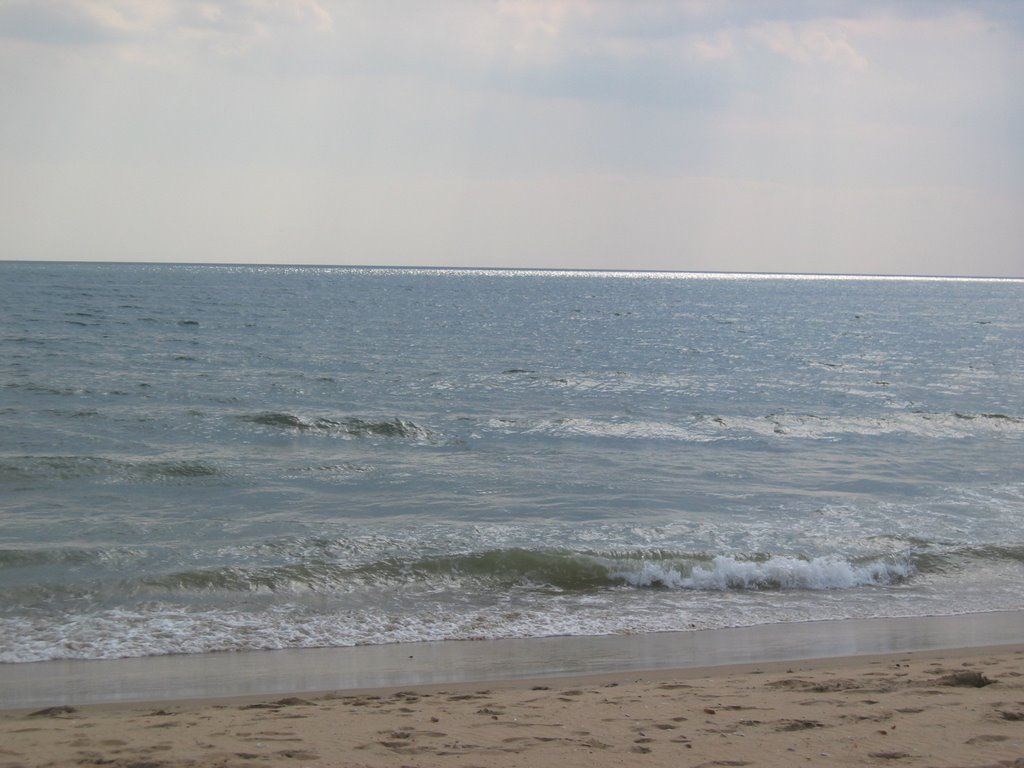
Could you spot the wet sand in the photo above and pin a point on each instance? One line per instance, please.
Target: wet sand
(925, 708)
(290, 672)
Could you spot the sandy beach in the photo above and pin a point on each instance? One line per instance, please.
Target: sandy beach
(928, 708)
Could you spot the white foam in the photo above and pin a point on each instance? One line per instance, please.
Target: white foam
(704, 428)
(777, 572)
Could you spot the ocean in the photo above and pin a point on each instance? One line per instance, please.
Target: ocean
(222, 458)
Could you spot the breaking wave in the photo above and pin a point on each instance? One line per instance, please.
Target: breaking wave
(777, 572)
(700, 428)
(341, 426)
(505, 569)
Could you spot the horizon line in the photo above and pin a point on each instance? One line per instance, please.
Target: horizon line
(551, 271)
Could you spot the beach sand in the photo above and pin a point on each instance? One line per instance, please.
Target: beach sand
(929, 708)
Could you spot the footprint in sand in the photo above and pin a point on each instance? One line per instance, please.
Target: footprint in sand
(986, 739)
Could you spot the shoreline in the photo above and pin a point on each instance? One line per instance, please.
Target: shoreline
(230, 675)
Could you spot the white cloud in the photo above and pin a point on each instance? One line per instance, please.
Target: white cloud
(592, 126)
(812, 43)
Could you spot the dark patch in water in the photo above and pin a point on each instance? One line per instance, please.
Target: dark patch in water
(57, 468)
(348, 426)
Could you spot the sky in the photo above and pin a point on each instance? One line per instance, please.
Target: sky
(823, 136)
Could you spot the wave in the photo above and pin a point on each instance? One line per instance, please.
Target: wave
(64, 556)
(317, 577)
(342, 426)
(702, 427)
(777, 572)
(325, 566)
(500, 570)
(909, 423)
(59, 468)
(997, 419)
(626, 429)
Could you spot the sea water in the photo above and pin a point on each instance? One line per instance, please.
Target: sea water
(199, 458)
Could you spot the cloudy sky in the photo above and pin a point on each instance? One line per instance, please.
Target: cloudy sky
(852, 136)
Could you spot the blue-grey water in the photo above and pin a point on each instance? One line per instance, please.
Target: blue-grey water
(198, 458)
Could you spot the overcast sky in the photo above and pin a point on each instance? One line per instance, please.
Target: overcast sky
(838, 136)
